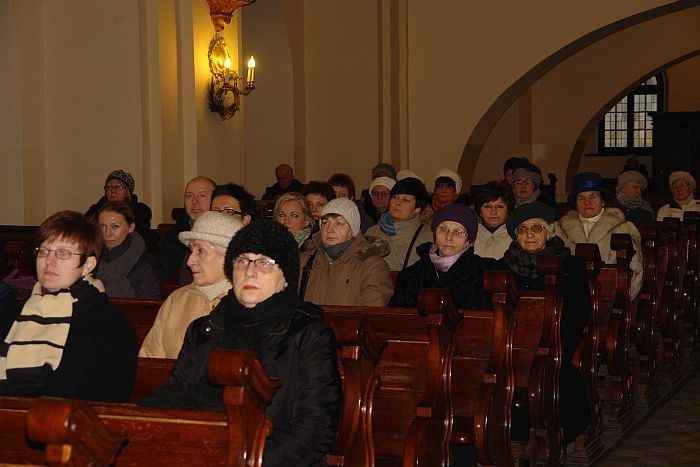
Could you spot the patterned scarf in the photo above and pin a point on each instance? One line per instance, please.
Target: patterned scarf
(523, 263)
(632, 202)
(386, 224)
(302, 235)
(529, 199)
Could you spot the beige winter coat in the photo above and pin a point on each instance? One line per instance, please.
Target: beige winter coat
(183, 306)
(358, 277)
(570, 229)
(492, 245)
(400, 242)
(667, 211)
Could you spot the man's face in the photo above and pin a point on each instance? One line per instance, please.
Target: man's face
(198, 197)
(284, 175)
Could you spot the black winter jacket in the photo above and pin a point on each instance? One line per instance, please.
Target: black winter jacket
(294, 345)
(464, 280)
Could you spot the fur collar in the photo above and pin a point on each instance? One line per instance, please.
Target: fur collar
(573, 227)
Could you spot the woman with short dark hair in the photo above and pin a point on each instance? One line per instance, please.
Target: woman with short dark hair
(493, 203)
(67, 340)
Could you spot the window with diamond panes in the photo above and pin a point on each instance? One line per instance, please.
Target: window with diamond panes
(627, 127)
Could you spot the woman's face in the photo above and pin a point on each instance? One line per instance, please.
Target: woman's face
(230, 206)
(255, 282)
(445, 193)
(335, 230)
(206, 263)
(115, 190)
(451, 238)
(494, 213)
(681, 190)
(532, 235)
(114, 228)
(291, 216)
(56, 274)
(316, 202)
(403, 207)
(589, 203)
(380, 198)
(341, 191)
(524, 187)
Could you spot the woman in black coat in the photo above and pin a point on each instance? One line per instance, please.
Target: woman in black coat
(448, 263)
(293, 344)
(531, 227)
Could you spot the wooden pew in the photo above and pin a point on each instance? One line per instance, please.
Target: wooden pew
(482, 374)
(78, 433)
(536, 364)
(691, 223)
(358, 354)
(588, 445)
(412, 419)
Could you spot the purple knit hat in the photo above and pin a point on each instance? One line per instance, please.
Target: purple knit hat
(458, 212)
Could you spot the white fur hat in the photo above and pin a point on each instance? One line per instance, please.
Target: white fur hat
(386, 182)
(346, 208)
(454, 176)
(405, 173)
(681, 175)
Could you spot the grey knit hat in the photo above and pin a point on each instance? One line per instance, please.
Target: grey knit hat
(527, 173)
(685, 176)
(124, 177)
(632, 176)
(346, 208)
(213, 227)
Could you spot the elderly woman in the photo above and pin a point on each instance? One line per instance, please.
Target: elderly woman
(293, 344)
(343, 268)
(401, 225)
(682, 187)
(378, 192)
(532, 229)
(125, 268)
(448, 263)
(628, 197)
(292, 211)
(207, 241)
(527, 182)
(344, 187)
(593, 222)
(317, 194)
(67, 340)
(119, 186)
(493, 204)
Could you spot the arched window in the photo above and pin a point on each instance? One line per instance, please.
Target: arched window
(627, 127)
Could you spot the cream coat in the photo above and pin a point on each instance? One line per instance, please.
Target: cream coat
(358, 278)
(400, 242)
(183, 306)
(492, 245)
(667, 211)
(570, 229)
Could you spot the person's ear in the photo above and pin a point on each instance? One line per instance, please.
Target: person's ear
(132, 226)
(246, 219)
(89, 265)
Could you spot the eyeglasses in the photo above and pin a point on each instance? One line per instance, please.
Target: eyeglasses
(229, 211)
(535, 229)
(114, 188)
(442, 230)
(523, 181)
(325, 223)
(679, 186)
(59, 253)
(380, 194)
(261, 264)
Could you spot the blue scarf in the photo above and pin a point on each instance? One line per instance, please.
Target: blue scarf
(386, 224)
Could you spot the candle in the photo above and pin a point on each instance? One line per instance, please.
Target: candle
(227, 67)
(251, 70)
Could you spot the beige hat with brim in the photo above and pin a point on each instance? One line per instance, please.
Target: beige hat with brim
(213, 227)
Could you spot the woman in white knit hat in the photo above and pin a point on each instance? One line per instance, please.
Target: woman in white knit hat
(343, 268)
(208, 240)
(682, 187)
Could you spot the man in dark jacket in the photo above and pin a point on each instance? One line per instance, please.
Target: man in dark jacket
(286, 183)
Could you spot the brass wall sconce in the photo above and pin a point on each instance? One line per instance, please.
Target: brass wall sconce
(223, 91)
(221, 11)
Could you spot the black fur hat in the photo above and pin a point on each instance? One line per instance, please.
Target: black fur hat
(412, 186)
(269, 238)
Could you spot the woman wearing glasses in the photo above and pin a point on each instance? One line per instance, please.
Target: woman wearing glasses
(594, 222)
(233, 199)
(67, 340)
(119, 186)
(449, 262)
(126, 268)
(207, 241)
(292, 211)
(294, 345)
(532, 229)
(682, 186)
(343, 268)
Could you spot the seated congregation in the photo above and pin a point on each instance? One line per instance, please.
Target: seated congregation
(331, 304)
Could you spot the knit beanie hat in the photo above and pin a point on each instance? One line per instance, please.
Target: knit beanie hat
(383, 167)
(346, 208)
(386, 182)
(412, 186)
(685, 176)
(527, 172)
(405, 173)
(632, 176)
(269, 238)
(527, 211)
(452, 175)
(458, 212)
(124, 177)
(213, 227)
